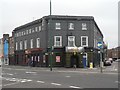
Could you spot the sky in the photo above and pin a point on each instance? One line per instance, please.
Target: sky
(14, 13)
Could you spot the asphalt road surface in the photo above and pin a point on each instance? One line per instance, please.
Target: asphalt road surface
(29, 77)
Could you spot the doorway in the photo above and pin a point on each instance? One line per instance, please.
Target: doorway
(74, 60)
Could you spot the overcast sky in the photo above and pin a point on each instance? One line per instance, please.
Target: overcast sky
(14, 13)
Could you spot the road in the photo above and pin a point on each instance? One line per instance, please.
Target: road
(37, 77)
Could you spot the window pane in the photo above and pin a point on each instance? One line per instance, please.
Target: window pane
(58, 26)
(71, 41)
(71, 26)
(84, 26)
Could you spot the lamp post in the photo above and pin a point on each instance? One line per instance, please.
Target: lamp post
(51, 48)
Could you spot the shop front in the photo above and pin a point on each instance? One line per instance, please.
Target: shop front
(34, 57)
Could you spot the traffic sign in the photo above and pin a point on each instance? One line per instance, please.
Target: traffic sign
(100, 45)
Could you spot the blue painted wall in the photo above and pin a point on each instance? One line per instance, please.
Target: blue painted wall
(5, 49)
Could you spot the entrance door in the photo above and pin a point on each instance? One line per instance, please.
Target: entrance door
(74, 60)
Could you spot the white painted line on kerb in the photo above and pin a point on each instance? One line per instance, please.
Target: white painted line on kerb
(74, 87)
(40, 81)
(56, 84)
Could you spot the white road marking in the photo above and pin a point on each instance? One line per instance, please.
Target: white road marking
(10, 74)
(40, 81)
(23, 81)
(30, 72)
(68, 76)
(74, 87)
(12, 80)
(117, 82)
(9, 84)
(29, 80)
(56, 84)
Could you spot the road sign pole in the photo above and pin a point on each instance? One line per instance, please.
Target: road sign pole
(100, 46)
(101, 63)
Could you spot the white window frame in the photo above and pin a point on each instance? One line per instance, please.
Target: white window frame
(26, 31)
(21, 45)
(55, 42)
(16, 45)
(38, 42)
(30, 30)
(71, 26)
(40, 28)
(71, 40)
(86, 41)
(33, 30)
(22, 33)
(84, 26)
(31, 43)
(36, 29)
(25, 44)
(58, 26)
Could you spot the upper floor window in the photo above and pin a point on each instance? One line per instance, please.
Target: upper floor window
(57, 41)
(16, 45)
(21, 45)
(31, 43)
(38, 42)
(39, 28)
(29, 30)
(71, 41)
(25, 44)
(84, 40)
(32, 30)
(36, 29)
(57, 26)
(19, 33)
(26, 31)
(84, 26)
(71, 26)
(22, 33)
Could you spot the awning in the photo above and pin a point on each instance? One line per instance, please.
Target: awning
(74, 49)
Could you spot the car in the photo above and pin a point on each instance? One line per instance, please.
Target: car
(118, 60)
(107, 63)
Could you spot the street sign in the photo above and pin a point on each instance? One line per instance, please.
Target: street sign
(100, 45)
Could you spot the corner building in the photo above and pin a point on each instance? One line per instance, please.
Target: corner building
(73, 40)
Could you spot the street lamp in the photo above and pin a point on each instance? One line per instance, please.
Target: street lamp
(51, 48)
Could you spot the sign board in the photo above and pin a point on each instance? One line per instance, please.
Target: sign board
(100, 45)
(57, 58)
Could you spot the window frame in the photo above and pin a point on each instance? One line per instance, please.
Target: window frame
(73, 41)
(55, 42)
(25, 44)
(71, 26)
(84, 26)
(57, 26)
(21, 45)
(86, 41)
(31, 43)
(38, 44)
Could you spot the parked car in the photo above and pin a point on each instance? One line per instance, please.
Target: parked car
(107, 63)
(118, 60)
